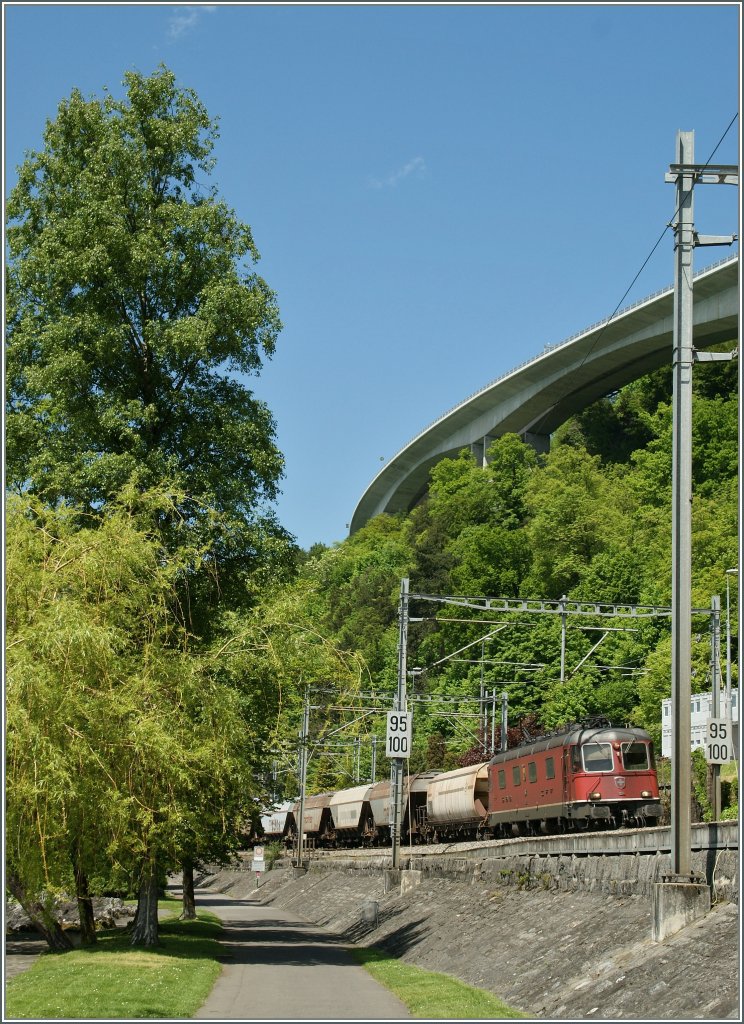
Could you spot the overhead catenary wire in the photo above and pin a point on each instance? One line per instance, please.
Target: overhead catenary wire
(657, 243)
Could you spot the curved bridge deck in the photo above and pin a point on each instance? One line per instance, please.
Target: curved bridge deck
(536, 397)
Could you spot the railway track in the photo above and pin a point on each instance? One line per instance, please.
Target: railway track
(713, 836)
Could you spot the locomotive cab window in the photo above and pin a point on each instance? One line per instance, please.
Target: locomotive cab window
(597, 757)
(549, 768)
(635, 757)
(532, 771)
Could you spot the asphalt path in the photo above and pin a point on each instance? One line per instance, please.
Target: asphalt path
(278, 967)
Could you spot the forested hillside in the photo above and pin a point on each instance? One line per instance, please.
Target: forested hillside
(590, 521)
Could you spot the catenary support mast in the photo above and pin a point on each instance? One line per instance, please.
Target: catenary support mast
(681, 507)
(400, 705)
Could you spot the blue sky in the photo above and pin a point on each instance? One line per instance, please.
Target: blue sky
(437, 191)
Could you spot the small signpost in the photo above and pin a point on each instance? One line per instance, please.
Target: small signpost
(718, 743)
(258, 862)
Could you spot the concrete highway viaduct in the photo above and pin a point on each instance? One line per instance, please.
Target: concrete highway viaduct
(535, 398)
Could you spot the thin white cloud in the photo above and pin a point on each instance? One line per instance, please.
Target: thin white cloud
(415, 166)
(185, 18)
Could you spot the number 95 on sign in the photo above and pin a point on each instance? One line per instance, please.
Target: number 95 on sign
(398, 737)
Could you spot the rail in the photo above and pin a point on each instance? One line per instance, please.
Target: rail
(719, 835)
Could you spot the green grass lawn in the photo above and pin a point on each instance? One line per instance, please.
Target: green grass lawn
(115, 979)
(430, 995)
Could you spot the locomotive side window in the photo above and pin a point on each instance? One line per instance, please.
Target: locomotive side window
(576, 765)
(549, 768)
(502, 779)
(597, 757)
(515, 775)
(635, 757)
(532, 771)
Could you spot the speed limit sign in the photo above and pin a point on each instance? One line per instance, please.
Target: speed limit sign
(398, 737)
(718, 744)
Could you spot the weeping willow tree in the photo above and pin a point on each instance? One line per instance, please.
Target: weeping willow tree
(122, 743)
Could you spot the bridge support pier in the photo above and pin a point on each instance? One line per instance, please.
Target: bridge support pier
(677, 901)
(540, 442)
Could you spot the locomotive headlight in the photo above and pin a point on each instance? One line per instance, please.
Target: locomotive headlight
(595, 796)
(646, 794)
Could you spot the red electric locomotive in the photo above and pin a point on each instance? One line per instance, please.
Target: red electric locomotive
(587, 776)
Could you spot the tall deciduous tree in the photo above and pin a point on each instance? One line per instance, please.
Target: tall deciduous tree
(134, 314)
(122, 742)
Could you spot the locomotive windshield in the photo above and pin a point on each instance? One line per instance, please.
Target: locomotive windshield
(635, 757)
(597, 757)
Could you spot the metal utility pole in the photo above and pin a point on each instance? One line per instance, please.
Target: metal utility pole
(682, 506)
(373, 767)
(303, 776)
(492, 749)
(400, 705)
(715, 662)
(563, 638)
(684, 173)
(728, 710)
(484, 697)
(504, 719)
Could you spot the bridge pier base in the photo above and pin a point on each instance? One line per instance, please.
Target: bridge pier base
(677, 901)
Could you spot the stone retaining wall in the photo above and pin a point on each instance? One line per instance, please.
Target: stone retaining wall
(632, 874)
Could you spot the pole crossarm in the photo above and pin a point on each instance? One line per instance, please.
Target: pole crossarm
(704, 174)
(715, 357)
(518, 604)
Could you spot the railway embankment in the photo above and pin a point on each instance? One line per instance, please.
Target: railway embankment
(566, 943)
(625, 863)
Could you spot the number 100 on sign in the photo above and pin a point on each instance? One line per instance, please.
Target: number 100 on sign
(398, 739)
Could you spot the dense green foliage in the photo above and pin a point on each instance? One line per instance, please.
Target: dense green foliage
(140, 473)
(590, 521)
(124, 740)
(132, 306)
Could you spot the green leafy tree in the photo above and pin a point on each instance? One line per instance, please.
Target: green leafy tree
(135, 318)
(134, 315)
(354, 589)
(572, 519)
(124, 746)
(511, 463)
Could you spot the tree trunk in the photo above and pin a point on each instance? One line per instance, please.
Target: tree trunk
(85, 905)
(189, 903)
(40, 916)
(145, 931)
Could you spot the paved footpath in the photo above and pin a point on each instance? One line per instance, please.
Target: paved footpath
(278, 967)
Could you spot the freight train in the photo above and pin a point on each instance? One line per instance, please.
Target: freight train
(589, 775)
